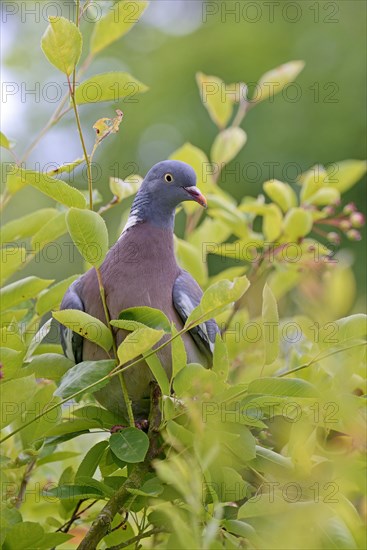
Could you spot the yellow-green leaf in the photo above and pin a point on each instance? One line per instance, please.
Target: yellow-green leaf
(297, 224)
(215, 99)
(220, 358)
(227, 145)
(190, 258)
(86, 325)
(280, 193)
(52, 187)
(22, 290)
(51, 231)
(108, 87)
(12, 259)
(123, 189)
(273, 82)
(324, 195)
(65, 168)
(312, 181)
(159, 373)
(118, 21)
(137, 343)
(51, 298)
(26, 225)
(272, 222)
(89, 233)
(216, 298)
(270, 319)
(343, 175)
(62, 44)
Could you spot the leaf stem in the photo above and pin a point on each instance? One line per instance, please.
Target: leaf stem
(86, 157)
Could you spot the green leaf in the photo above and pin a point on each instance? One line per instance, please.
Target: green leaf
(51, 366)
(11, 314)
(141, 316)
(297, 224)
(66, 430)
(273, 82)
(159, 373)
(295, 387)
(270, 319)
(130, 445)
(50, 299)
(91, 460)
(62, 44)
(272, 222)
(218, 103)
(14, 393)
(22, 290)
(137, 343)
(281, 193)
(336, 534)
(74, 491)
(215, 298)
(227, 145)
(108, 87)
(122, 189)
(12, 259)
(52, 187)
(220, 358)
(89, 233)
(51, 231)
(82, 375)
(26, 534)
(343, 175)
(118, 21)
(344, 329)
(271, 462)
(26, 226)
(86, 325)
(65, 168)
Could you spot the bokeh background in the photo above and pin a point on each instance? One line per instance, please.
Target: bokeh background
(323, 120)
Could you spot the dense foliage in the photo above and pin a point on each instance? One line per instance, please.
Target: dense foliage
(265, 450)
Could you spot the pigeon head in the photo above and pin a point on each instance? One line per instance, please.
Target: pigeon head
(173, 182)
(165, 186)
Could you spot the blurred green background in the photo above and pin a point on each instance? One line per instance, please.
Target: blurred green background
(237, 41)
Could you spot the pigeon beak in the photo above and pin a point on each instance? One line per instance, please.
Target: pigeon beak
(196, 195)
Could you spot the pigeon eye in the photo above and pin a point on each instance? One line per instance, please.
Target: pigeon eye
(168, 178)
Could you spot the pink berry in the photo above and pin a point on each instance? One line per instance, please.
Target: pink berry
(354, 235)
(345, 225)
(349, 208)
(357, 219)
(333, 237)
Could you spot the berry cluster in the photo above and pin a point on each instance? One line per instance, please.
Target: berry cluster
(348, 221)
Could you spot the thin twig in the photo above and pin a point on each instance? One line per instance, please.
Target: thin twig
(75, 515)
(101, 526)
(24, 483)
(145, 535)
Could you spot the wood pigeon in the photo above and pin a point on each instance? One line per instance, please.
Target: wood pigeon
(141, 270)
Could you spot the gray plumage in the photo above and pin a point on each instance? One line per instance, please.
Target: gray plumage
(141, 270)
